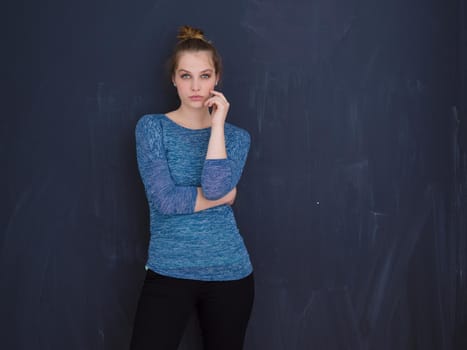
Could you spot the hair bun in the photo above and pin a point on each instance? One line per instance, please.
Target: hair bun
(187, 32)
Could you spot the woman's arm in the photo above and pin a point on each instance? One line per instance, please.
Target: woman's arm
(220, 107)
(167, 197)
(221, 171)
(203, 203)
(216, 146)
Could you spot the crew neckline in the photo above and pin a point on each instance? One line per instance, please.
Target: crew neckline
(184, 127)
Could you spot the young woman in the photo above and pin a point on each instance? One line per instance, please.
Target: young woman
(190, 161)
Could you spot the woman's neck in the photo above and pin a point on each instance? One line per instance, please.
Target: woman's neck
(192, 118)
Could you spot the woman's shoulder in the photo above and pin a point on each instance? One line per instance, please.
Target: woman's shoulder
(148, 122)
(149, 119)
(236, 131)
(236, 135)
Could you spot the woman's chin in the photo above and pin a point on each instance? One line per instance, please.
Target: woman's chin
(195, 104)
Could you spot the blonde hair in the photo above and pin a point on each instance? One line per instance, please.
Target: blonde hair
(187, 32)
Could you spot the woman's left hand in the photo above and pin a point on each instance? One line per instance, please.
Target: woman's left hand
(220, 107)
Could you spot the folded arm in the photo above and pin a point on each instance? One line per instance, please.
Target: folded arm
(224, 165)
(161, 191)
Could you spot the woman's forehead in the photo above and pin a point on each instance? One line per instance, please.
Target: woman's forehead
(195, 61)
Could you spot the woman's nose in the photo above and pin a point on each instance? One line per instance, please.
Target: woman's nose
(195, 85)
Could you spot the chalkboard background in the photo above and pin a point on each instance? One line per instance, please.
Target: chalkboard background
(353, 202)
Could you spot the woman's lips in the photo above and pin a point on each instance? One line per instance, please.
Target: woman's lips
(196, 98)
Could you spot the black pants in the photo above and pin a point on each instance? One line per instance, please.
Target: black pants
(166, 304)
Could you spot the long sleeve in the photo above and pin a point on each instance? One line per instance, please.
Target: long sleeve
(219, 176)
(205, 245)
(161, 191)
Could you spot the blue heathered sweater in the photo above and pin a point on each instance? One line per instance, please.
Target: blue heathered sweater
(204, 245)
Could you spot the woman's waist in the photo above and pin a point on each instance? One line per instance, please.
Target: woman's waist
(216, 219)
(220, 249)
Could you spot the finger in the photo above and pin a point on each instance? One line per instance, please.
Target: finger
(210, 102)
(220, 94)
(215, 100)
(214, 92)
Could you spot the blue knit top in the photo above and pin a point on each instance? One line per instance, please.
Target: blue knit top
(204, 245)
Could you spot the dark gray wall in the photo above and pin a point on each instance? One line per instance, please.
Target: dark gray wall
(353, 203)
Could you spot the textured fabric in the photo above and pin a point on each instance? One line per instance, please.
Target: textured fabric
(166, 304)
(204, 245)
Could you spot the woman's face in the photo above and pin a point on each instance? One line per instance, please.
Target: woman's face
(194, 78)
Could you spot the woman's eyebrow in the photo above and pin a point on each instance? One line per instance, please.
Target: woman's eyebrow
(203, 71)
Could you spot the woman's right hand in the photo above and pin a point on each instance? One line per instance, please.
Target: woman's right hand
(202, 203)
(230, 197)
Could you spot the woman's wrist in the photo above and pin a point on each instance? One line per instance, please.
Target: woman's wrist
(216, 146)
(217, 124)
(203, 203)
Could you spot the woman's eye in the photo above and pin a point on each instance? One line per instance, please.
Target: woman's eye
(205, 76)
(185, 76)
